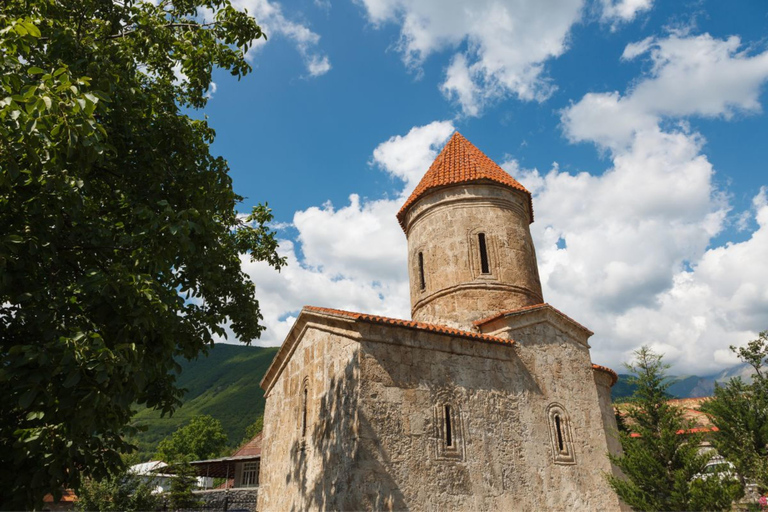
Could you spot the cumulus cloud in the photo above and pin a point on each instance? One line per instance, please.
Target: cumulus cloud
(621, 11)
(629, 251)
(353, 257)
(614, 243)
(408, 157)
(689, 76)
(501, 46)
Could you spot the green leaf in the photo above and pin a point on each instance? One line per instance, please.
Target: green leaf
(26, 399)
(31, 29)
(72, 379)
(34, 70)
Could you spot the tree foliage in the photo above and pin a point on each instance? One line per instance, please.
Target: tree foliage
(122, 492)
(120, 247)
(740, 412)
(661, 458)
(253, 429)
(202, 438)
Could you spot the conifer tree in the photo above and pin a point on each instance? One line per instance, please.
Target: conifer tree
(661, 458)
(740, 412)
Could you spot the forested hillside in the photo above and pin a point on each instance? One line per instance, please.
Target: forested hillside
(224, 385)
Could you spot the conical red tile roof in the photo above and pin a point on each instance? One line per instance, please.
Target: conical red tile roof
(460, 162)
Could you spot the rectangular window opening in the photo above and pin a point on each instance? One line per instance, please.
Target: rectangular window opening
(559, 433)
(304, 415)
(421, 271)
(448, 432)
(250, 474)
(484, 268)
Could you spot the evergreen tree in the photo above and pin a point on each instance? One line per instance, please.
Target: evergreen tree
(181, 495)
(740, 412)
(662, 463)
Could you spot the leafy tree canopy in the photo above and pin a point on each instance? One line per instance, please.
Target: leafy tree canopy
(253, 430)
(202, 438)
(661, 458)
(740, 412)
(120, 245)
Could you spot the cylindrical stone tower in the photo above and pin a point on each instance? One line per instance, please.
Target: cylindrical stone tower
(470, 252)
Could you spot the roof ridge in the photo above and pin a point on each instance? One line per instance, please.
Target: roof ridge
(541, 305)
(438, 328)
(460, 161)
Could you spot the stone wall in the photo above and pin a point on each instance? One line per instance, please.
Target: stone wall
(309, 470)
(506, 454)
(221, 500)
(443, 226)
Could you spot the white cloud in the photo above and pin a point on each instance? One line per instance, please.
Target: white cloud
(637, 265)
(318, 65)
(408, 157)
(628, 235)
(500, 46)
(690, 75)
(269, 15)
(618, 11)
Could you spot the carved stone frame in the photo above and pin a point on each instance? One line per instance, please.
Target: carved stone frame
(564, 455)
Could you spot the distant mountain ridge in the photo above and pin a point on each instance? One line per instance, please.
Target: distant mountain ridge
(225, 385)
(688, 386)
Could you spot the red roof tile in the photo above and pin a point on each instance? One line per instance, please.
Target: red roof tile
(442, 329)
(460, 162)
(249, 449)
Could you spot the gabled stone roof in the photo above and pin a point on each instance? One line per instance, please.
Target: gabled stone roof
(461, 162)
(524, 309)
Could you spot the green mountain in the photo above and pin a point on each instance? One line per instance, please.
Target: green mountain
(225, 385)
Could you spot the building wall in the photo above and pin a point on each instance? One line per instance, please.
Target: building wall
(443, 227)
(500, 397)
(310, 472)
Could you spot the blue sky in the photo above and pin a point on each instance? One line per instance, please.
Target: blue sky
(639, 125)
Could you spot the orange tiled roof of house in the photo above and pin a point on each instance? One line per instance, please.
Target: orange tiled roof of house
(461, 162)
(249, 449)
(442, 329)
(67, 496)
(691, 412)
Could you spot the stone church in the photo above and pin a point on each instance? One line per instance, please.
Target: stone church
(486, 400)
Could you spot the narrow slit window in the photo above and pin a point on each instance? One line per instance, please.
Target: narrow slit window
(304, 414)
(561, 436)
(448, 432)
(422, 282)
(484, 268)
